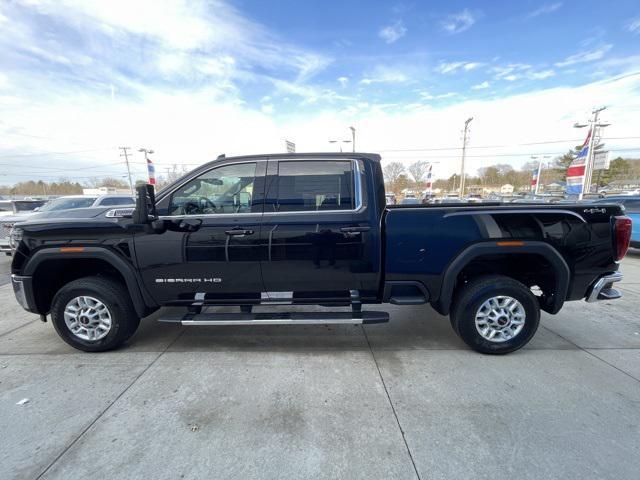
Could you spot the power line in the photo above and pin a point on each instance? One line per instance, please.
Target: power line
(44, 154)
(494, 146)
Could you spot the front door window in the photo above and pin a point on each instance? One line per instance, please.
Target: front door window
(227, 189)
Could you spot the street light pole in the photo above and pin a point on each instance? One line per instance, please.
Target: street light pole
(339, 142)
(588, 167)
(353, 138)
(147, 152)
(464, 153)
(539, 175)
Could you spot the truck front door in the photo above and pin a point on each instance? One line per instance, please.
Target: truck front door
(211, 249)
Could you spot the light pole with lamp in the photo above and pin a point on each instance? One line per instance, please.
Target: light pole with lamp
(340, 142)
(588, 165)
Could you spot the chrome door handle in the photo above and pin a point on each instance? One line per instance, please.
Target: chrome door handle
(238, 232)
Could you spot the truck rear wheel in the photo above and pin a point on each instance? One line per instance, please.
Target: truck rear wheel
(495, 314)
(94, 314)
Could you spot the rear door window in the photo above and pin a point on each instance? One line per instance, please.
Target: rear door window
(310, 186)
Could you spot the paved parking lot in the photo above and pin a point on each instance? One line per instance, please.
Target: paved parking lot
(400, 400)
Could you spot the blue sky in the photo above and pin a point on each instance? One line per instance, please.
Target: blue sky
(192, 79)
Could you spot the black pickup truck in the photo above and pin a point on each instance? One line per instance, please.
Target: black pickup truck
(313, 229)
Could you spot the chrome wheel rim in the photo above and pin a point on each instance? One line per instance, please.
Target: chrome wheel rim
(500, 318)
(87, 318)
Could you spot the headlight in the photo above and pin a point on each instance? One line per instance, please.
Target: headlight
(15, 237)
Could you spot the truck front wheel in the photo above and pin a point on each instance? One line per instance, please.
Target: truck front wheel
(94, 314)
(495, 314)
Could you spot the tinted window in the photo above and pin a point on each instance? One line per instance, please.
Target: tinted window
(117, 201)
(227, 189)
(314, 186)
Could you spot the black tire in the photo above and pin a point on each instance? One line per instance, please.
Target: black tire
(471, 297)
(124, 320)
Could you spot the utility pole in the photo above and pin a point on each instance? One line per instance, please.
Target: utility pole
(588, 167)
(353, 138)
(464, 153)
(125, 154)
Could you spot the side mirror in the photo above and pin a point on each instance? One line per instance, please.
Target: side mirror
(145, 211)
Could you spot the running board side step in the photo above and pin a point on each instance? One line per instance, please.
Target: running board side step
(278, 318)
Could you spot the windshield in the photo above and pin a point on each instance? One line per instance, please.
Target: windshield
(68, 203)
(27, 206)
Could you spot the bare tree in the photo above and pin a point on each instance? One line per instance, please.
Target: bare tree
(392, 173)
(418, 170)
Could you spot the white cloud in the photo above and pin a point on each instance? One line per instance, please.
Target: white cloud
(267, 108)
(634, 25)
(392, 33)
(428, 96)
(385, 74)
(179, 126)
(545, 9)
(541, 75)
(510, 78)
(4, 81)
(510, 70)
(343, 81)
(481, 86)
(471, 65)
(459, 22)
(451, 67)
(586, 56)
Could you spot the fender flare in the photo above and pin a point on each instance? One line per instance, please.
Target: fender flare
(561, 269)
(142, 302)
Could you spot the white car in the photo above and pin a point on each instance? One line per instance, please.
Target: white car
(74, 206)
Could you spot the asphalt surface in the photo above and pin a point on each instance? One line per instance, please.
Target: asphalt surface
(402, 400)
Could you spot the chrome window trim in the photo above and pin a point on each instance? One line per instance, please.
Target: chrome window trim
(359, 204)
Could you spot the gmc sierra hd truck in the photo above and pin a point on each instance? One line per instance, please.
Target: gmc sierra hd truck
(313, 229)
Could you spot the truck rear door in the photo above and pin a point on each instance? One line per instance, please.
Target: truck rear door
(310, 232)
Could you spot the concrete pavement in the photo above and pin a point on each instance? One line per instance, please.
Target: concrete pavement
(401, 400)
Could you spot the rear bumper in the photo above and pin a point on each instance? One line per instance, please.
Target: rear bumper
(23, 290)
(601, 288)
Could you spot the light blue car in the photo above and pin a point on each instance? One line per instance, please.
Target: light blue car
(631, 204)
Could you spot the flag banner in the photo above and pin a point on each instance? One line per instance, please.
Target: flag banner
(152, 172)
(575, 172)
(534, 179)
(429, 179)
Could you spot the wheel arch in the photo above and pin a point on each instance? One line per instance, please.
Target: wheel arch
(96, 260)
(561, 271)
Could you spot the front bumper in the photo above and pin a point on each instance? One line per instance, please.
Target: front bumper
(23, 290)
(601, 289)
